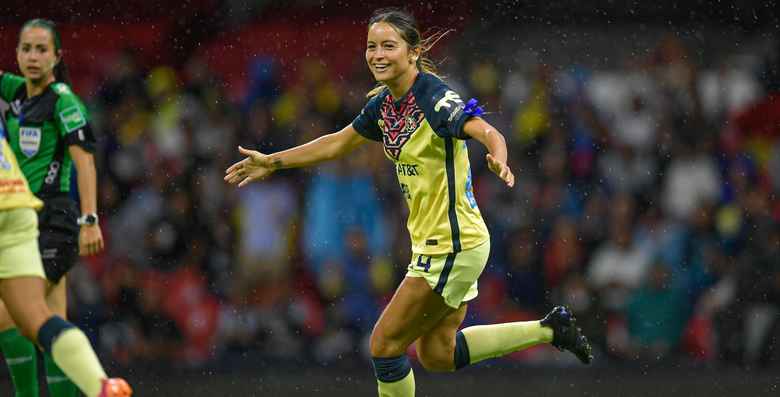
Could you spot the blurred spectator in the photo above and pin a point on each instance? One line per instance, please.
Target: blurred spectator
(266, 213)
(692, 177)
(618, 267)
(656, 314)
(563, 254)
(524, 271)
(346, 200)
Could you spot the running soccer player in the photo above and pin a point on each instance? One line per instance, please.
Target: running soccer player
(23, 286)
(423, 125)
(49, 133)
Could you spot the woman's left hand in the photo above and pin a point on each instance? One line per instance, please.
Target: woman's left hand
(501, 169)
(90, 240)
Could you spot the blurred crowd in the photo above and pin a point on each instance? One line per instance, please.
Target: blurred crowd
(646, 200)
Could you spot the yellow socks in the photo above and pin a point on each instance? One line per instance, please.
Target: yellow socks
(73, 353)
(480, 342)
(401, 388)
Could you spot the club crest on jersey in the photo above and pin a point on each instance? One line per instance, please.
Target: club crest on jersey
(29, 140)
(411, 124)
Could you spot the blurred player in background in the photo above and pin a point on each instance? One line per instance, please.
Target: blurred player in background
(49, 132)
(23, 286)
(423, 126)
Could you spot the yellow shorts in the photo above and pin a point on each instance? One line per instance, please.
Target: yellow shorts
(19, 255)
(453, 276)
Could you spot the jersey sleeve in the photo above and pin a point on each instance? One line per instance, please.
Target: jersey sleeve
(366, 122)
(447, 114)
(9, 84)
(72, 120)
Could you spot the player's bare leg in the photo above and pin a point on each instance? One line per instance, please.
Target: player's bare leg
(24, 299)
(413, 310)
(436, 348)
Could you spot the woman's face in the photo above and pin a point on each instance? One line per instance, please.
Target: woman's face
(36, 54)
(387, 53)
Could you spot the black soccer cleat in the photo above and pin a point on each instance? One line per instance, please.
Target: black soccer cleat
(566, 334)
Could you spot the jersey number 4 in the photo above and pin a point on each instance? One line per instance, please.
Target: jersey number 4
(425, 266)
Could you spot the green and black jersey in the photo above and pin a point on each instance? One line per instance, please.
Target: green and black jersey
(41, 128)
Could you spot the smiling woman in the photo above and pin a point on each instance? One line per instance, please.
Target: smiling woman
(395, 47)
(423, 125)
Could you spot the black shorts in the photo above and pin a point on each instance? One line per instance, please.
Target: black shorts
(59, 236)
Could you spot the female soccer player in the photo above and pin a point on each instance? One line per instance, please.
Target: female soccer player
(422, 125)
(49, 133)
(23, 289)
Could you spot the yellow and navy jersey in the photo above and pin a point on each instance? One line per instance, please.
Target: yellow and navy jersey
(14, 191)
(422, 133)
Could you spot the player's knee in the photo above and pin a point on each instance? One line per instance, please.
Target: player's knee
(383, 346)
(31, 322)
(436, 360)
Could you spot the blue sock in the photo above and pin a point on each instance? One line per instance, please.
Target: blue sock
(391, 369)
(50, 330)
(462, 357)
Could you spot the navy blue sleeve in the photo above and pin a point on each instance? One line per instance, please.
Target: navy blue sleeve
(444, 110)
(366, 122)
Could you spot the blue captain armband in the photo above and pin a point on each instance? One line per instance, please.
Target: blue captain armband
(473, 109)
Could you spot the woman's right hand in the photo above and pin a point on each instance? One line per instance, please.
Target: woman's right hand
(255, 167)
